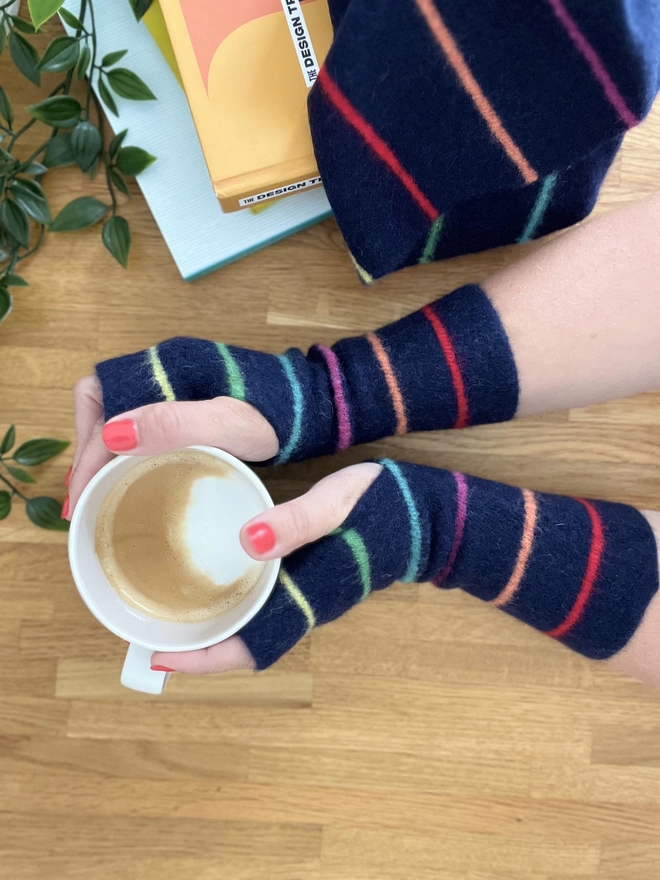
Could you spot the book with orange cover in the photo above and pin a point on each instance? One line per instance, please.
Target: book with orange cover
(247, 67)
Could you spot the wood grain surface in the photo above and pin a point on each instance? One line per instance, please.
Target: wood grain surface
(422, 736)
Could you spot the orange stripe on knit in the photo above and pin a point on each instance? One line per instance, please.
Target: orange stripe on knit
(526, 544)
(393, 386)
(457, 60)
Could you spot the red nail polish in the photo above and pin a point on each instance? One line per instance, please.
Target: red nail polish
(65, 508)
(67, 479)
(262, 537)
(120, 436)
(162, 669)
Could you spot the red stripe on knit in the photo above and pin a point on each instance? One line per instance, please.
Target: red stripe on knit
(462, 408)
(377, 144)
(590, 575)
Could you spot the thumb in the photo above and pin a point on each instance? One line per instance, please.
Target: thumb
(232, 425)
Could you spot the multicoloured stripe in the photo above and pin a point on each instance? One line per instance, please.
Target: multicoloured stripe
(361, 556)
(160, 374)
(462, 407)
(352, 116)
(595, 62)
(392, 383)
(298, 410)
(298, 597)
(465, 76)
(234, 374)
(459, 527)
(428, 254)
(525, 551)
(590, 575)
(413, 518)
(345, 432)
(540, 207)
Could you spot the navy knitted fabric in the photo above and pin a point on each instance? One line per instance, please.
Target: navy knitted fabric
(581, 571)
(446, 365)
(448, 126)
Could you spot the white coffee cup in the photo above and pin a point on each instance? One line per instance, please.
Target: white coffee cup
(143, 633)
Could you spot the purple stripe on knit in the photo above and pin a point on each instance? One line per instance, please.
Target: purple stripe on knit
(594, 61)
(459, 528)
(343, 416)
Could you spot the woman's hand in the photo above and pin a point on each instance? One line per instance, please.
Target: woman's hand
(232, 425)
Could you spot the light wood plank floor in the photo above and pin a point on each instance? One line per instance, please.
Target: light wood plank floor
(423, 736)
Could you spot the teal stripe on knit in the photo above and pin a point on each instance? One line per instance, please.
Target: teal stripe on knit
(428, 254)
(234, 374)
(361, 557)
(413, 516)
(540, 207)
(298, 407)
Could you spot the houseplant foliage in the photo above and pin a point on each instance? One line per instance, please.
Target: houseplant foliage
(76, 136)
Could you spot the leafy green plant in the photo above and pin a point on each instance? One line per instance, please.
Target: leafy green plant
(76, 138)
(44, 512)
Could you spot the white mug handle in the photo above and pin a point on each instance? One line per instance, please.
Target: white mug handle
(137, 673)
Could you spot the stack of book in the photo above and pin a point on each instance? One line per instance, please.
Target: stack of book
(238, 173)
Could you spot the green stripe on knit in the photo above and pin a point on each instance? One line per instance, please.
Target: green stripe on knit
(234, 374)
(428, 254)
(160, 374)
(361, 556)
(298, 597)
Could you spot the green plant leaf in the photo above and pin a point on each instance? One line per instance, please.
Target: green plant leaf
(117, 238)
(15, 221)
(30, 196)
(127, 84)
(7, 162)
(35, 168)
(59, 151)
(61, 111)
(78, 214)
(113, 57)
(106, 97)
(8, 440)
(116, 142)
(5, 303)
(3, 40)
(86, 142)
(47, 514)
(61, 54)
(22, 25)
(14, 281)
(5, 107)
(94, 168)
(21, 475)
(42, 10)
(119, 182)
(140, 7)
(70, 19)
(38, 451)
(5, 504)
(83, 62)
(25, 57)
(133, 160)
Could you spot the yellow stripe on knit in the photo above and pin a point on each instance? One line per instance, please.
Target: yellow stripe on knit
(160, 375)
(298, 598)
(365, 277)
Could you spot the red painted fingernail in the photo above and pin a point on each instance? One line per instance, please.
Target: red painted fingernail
(162, 669)
(120, 436)
(262, 537)
(65, 508)
(67, 479)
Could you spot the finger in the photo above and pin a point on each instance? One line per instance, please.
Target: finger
(88, 411)
(232, 425)
(93, 456)
(283, 529)
(226, 656)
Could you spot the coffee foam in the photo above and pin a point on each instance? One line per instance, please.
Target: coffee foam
(167, 536)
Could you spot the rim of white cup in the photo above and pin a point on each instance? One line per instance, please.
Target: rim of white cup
(79, 581)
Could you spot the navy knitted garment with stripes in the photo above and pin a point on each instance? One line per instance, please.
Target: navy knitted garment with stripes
(583, 572)
(444, 127)
(448, 365)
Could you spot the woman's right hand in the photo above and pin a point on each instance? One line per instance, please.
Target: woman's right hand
(232, 425)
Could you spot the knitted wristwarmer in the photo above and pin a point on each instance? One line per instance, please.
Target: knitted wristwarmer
(581, 571)
(448, 365)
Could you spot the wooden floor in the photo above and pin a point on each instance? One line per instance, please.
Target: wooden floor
(422, 736)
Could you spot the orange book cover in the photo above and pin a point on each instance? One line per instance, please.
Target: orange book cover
(247, 67)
